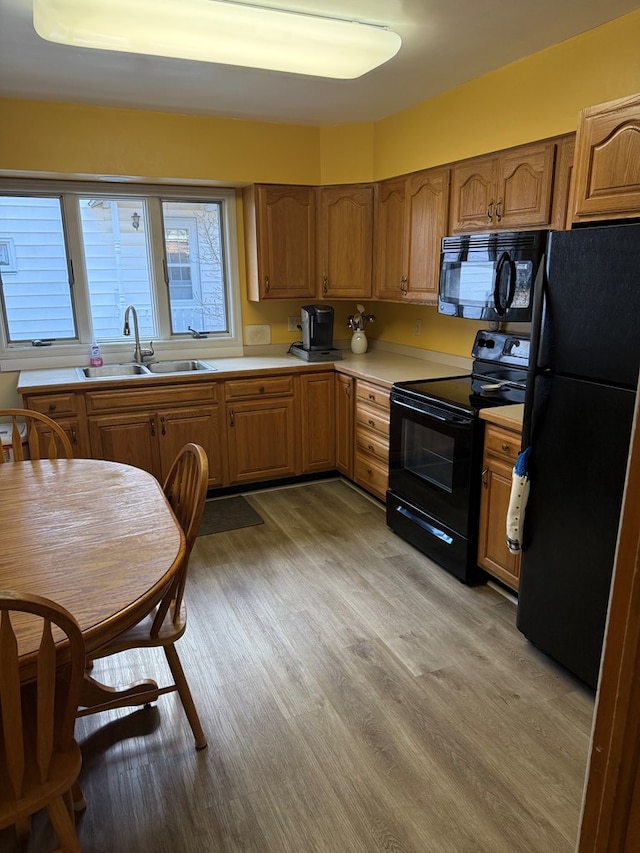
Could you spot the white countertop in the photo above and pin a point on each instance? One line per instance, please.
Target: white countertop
(376, 365)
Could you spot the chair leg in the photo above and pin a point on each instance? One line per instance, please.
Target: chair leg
(64, 826)
(185, 695)
(79, 802)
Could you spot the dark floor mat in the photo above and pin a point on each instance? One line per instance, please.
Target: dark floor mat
(227, 514)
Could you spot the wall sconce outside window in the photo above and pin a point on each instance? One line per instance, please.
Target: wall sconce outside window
(135, 220)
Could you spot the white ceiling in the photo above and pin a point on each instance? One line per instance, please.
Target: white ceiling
(444, 43)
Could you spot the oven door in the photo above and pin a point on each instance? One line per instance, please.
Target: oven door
(432, 458)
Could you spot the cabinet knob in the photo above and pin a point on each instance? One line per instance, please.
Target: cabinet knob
(505, 447)
(372, 397)
(261, 389)
(371, 423)
(52, 407)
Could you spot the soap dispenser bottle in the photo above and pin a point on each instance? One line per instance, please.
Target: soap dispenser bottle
(96, 358)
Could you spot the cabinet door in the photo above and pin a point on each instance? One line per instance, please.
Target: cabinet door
(261, 440)
(344, 423)
(428, 211)
(473, 195)
(285, 242)
(318, 422)
(177, 427)
(607, 161)
(524, 184)
(346, 240)
(129, 438)
(390, 270)
(493, 555)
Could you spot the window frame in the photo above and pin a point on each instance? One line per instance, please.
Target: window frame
(21, 356)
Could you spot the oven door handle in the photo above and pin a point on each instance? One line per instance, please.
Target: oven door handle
(432, 412)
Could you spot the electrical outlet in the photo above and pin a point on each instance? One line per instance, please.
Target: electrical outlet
(292, 324)
(418, 327)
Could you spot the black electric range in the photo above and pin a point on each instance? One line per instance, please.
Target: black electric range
(435, 451)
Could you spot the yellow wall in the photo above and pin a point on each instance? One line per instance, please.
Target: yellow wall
(539, 96)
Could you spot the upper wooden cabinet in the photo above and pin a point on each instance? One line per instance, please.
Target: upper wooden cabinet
(280, 239)
(411, 219)
(345, 241)
(607, 161)
(511, 190)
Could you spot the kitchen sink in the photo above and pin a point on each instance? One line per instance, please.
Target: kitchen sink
(184, 366)
(113, 370)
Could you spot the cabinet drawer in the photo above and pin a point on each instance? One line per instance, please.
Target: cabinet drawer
(268, 386)
(373, 395)
(372, 418)
(149, 399)
(502, 443)
(55, 405)
(371, 475)
(370, 444)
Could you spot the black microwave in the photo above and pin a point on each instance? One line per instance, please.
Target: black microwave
(490, 276)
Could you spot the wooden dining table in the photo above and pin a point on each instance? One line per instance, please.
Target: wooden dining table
(97, 537)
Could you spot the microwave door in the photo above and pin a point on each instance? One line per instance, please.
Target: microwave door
(505, 282)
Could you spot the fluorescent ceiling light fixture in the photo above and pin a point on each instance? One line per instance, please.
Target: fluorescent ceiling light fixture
(218, 31)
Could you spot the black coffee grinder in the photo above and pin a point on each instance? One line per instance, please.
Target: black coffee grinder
(316, 322)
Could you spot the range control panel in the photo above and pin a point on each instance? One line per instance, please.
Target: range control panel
(502, 348)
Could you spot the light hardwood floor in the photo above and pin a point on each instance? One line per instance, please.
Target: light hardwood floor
(356, 698)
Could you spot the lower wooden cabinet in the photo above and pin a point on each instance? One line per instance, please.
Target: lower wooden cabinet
(318, 426)
(147, 427)
(261, 428)
(344, 395)
(67, 409)
(253, 428)
(501, 447)
(371, 463)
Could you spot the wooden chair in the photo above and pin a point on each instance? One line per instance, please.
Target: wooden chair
(186, 491)
(39, 758)
(46, 439)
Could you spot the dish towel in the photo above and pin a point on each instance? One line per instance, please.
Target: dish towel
(518, 502)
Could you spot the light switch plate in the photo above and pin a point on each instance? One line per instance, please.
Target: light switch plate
(257, 335)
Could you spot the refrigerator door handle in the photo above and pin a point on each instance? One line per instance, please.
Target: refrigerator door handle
(534, 350)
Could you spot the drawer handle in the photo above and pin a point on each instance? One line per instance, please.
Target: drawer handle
(372, 397)
(261, 389)
(370, 447)
(371, 423)
(369, 472)
(52, 407)
(505, 447)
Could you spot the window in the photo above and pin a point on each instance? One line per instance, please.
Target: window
(73, 259)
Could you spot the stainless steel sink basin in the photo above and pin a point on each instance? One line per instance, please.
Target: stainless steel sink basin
(113, 370)
(187, 365)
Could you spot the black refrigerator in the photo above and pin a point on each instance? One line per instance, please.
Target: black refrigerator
(585, 355)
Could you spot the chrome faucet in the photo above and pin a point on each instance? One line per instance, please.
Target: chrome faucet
(139, 354)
